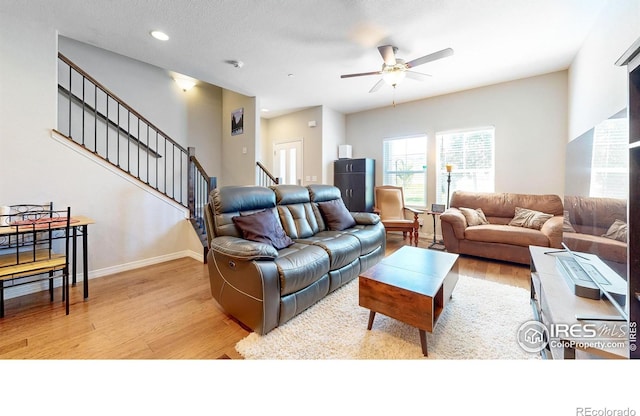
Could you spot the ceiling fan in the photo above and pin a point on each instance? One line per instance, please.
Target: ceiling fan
(394, 69)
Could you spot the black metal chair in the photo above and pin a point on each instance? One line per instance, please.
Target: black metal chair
(34, 246)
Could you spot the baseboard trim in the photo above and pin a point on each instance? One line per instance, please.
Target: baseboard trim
(13, 292)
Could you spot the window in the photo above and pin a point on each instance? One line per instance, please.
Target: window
(405, 164)
(610, 159)
(472, 157)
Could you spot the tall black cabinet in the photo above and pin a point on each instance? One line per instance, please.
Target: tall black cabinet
(632, 60)
(356, 180)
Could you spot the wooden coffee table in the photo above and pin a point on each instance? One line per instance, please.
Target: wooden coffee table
(412, 285)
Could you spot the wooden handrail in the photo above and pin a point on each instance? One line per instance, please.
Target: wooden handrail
(110, 122)
(266, 172)
(121, 101)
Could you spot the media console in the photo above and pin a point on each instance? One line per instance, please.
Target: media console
(590, 327)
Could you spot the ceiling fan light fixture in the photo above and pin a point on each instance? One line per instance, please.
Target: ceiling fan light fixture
(393, 77)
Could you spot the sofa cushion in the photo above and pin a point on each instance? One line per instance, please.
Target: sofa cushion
(299, 266)
(230, 201)
(474, 216)
(591, 215)
(336, 215)
(263, 227)
(296, 211)
(341, 248)
(617, 231)
(369, 236)
(504, 204)
(529, 218)
(505, 234)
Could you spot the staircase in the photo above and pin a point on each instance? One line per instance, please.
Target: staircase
(95, 119)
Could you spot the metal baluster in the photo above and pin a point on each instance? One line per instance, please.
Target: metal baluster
(95, 118)
(69, 95)
(83, 108)
(106, 132)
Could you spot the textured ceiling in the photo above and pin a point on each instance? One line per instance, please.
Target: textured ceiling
(317, 41)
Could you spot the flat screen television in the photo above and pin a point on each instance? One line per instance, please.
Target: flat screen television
(596, 192)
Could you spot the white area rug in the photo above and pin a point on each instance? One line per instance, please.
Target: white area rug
(480, 322)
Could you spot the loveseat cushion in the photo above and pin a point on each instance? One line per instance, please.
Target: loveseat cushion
(618, 231)
(506, 234)
(299, 266)
(504, 204)
(529, 218)
(591, 215)
(474, 216)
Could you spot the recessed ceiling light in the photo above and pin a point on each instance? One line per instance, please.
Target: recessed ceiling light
(266, 110)
(159, 35)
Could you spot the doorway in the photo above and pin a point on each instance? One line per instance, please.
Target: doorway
(287, 162)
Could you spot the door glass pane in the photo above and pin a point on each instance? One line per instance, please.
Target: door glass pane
(292, 166)
(282, 169)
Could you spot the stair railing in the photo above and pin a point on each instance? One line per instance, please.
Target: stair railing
(96, 119)
(264, 177)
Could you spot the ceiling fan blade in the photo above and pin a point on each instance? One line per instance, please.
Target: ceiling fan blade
(431, 57)
(419, 76)
(377, 86)
(388, 54)
(361, 74)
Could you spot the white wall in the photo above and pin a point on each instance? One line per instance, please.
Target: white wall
(597, 87)
(204, 125)
(295, 126)
(530, 120)
(133, 226)
(333, 135)
(239, 152)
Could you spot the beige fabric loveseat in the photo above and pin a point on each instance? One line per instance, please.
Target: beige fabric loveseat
(497, 239)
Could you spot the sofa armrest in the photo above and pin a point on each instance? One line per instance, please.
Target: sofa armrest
(552, 228)
(242, 249)
(365, 218)
(453, 218)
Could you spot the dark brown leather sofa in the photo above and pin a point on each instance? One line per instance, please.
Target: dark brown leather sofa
(263, 287)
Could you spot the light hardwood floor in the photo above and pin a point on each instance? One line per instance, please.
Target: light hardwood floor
(164, 311)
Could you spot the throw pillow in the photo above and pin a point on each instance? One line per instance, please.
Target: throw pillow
(529, 218)
(263, 227)
(617, 231)
(336, 215)
(567, 227)
(474, 216)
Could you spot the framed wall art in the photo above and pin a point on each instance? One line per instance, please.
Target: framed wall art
(237, 122)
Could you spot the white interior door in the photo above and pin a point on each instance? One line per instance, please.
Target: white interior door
(287, 162)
